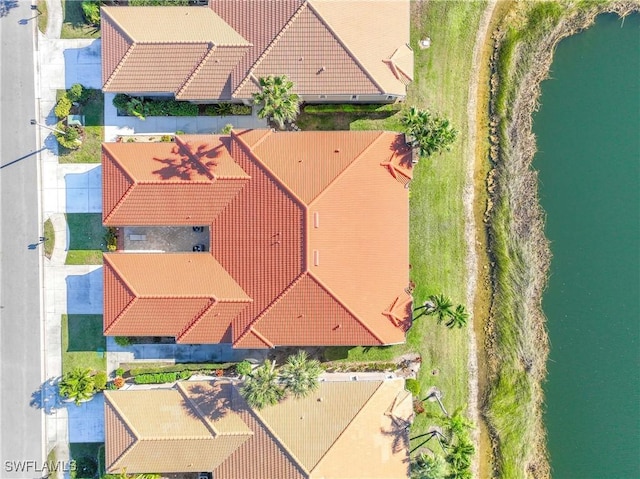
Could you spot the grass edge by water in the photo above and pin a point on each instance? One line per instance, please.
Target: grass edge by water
(517, 344)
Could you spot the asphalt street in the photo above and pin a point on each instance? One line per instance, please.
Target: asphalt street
(20, 336)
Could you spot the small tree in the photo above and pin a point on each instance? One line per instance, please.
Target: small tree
(63, 107)
(427, 466)
(74, 93)
(441, 306)
(244, 368)
(68, 136)
(91, 11)
(100, 381)
(299, 375)
(77, 385)
(278, 103)
(431, 133)
(261, 388)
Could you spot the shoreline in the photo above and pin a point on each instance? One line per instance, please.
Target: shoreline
(518, 249)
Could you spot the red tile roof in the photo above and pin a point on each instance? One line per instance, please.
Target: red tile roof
(317, 238)
(220, 55)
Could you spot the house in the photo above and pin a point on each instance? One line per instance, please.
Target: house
(308, 238)
(218, 53)
(344, 430)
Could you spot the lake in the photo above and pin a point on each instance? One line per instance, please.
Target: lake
(588, 131)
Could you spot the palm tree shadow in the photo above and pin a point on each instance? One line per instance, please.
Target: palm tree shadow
(47, 397)
(6, 5)
(189, 164)
(399, 431)
(211, 401)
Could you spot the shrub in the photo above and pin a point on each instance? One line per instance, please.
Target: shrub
(157, 378)
(412, 386)
(179, 132)
(166, 138)
(227, 129)
(219, 109)
(241, 110)
(111, 386)
(418, 406)
(70, 138)
(111, 240)
(194, 367)
(75, 93)
(120, 101)
(100, 381)
(119, 372)
(184, 374)
(122, 341)
(118, 382)
(63, 107)
(244, 368)
(180, 108)
(91, 11)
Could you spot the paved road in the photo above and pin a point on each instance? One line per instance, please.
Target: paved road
(20, 358)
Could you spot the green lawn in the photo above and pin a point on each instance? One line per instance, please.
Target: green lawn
(82, 341)
(437, 247)
(74, 25)
(50, 238)
(86, 238)
(90, 151)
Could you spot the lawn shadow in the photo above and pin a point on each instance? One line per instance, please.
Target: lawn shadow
(85, 333)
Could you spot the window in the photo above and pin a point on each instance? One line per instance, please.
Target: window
(354, 97)
(323, 97)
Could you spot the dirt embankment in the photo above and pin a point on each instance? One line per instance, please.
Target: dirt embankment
(513, 188)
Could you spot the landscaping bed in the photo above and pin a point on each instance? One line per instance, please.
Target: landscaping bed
(92, 108)
(142, 107)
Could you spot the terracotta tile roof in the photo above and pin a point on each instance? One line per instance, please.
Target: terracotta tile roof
(332, 274)
(219, 55)
(174, 430)
(345, 429)
(150, 49)
(375, 52)
(168, 294)
(190, 181)
(313, 58)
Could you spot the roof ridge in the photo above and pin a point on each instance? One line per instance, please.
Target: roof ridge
(212, 48)
(266, 51)
(346, 48)
(342, 303)
(127, 174)
(116, 23)
(269, 172)
(346, 168)
(126, 284)
(249, 327)
(381, 382)
(195, 320)
(279, 440)
(127, 424)
(197, 410)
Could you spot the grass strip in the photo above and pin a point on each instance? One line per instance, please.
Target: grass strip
(74, 24)
(50, 238)
(43, 16)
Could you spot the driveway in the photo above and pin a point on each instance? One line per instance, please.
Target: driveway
(86, 422)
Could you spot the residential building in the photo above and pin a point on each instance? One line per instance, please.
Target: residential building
(306, 238)
(332, 50)
(344, 430)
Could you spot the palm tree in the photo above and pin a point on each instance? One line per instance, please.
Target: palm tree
(299, 375)
(77, 385)
(261, 388)
(460, 455)
(458, 425)
(457, 317)
(428, 467)
(431, 133)
(278, 103)
(441, 306)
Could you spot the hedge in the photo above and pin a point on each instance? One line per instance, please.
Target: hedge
(180, 367)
